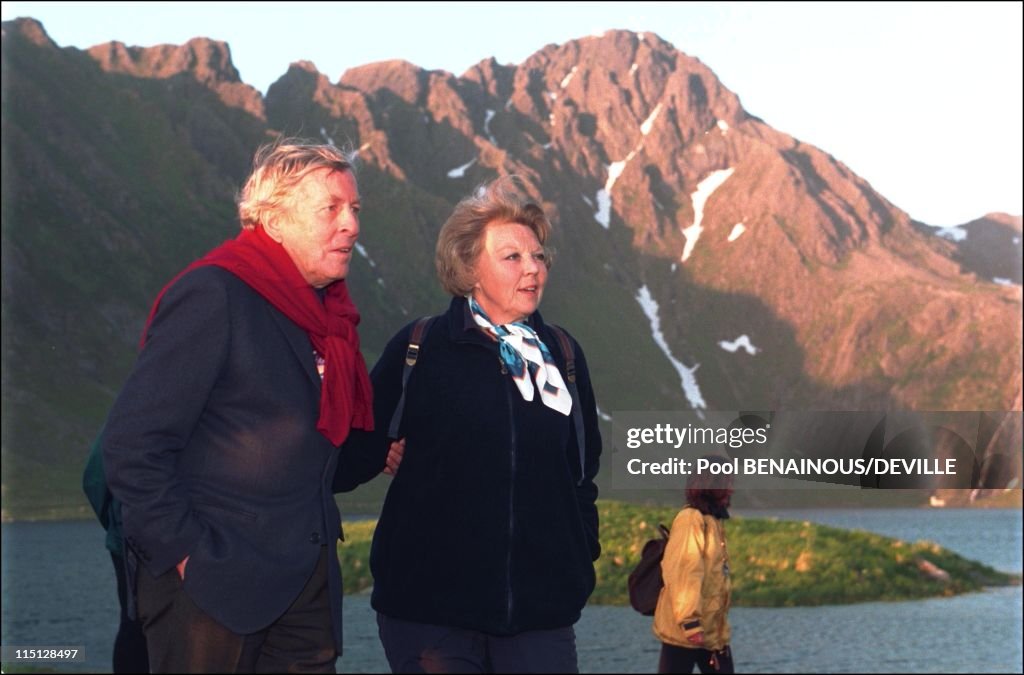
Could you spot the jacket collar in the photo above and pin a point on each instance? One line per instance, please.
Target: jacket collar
(300, 343)
(462, 327)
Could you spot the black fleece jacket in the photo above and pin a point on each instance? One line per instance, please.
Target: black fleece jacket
(487, 524)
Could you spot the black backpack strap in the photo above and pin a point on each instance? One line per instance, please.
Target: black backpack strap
(570, 377)
(412, 353)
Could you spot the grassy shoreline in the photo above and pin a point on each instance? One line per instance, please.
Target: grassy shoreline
(775, 563)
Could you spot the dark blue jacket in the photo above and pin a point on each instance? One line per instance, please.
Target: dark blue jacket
(213, 451)
(486, 525)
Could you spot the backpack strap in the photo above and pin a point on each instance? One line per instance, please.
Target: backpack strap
(412, 353)
(570, 377)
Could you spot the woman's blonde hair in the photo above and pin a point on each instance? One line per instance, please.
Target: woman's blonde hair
(276, 169)
(460, 240)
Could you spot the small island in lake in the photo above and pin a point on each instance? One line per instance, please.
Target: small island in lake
(774, 563)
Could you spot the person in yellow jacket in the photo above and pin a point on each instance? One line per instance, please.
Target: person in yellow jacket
(691, 618)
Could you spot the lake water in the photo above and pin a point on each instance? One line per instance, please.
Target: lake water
(58, 590)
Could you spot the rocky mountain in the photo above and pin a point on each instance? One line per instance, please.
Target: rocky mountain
(989, 247)
(703, 258)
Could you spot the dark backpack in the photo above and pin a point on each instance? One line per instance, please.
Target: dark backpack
(645, 580)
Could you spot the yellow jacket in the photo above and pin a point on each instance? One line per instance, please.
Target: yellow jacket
(695, 596)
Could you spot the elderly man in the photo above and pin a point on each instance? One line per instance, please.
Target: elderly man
(224, 444)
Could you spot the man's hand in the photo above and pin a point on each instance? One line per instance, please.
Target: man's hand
(697, 638)
(395, 453)
(181, 568)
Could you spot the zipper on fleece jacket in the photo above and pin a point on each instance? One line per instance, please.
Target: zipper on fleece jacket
(511, 494)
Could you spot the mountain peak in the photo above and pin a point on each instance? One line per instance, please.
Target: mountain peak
(209, 61)
(304, 65)
(206, 61)
(406, 80)
(302, 75)
(1011, 221)
(302, 83)
(493, 77)
(30, 29)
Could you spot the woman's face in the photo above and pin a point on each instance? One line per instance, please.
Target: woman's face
(510, 272)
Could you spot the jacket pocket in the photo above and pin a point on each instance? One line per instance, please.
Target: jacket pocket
(204, 506)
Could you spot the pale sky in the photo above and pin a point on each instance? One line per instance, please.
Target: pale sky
(923, 100)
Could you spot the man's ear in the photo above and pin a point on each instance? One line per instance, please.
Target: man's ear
(273, 228)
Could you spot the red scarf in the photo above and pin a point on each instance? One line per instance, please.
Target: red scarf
(346, 396)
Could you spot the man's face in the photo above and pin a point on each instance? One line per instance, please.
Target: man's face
(320, 225)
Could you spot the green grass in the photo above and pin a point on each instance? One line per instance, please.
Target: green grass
(774, 563)
(354, 554)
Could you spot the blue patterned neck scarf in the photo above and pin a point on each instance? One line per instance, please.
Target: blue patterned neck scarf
(527, 360)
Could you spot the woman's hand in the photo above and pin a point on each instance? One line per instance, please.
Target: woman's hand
(395, 453)
(697, 638)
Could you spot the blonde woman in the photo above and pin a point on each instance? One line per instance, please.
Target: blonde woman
(483, 555)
